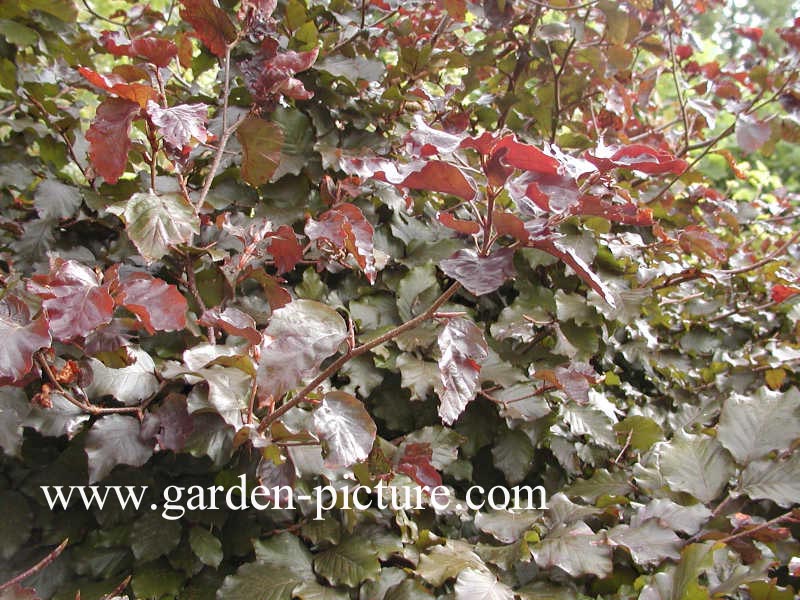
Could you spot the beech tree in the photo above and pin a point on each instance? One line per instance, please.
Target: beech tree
(438, 243)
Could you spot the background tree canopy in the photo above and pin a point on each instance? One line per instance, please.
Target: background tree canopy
(512, 242)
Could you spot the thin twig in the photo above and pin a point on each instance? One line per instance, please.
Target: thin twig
(678, 92)
(37, 567)
(562, 8)
(84, 406)
(767, 259)
(787, 516)
(62, 134)
(227, 131)
(117, 590)
(358, 351)
(557, 90)
(191, 282)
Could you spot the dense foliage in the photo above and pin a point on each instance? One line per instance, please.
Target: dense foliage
(301, 243)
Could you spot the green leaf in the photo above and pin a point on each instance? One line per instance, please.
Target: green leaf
(17, 33)
(14, 408)
(311, 590)
(16, 524)
(481, 585)
(697, 464)
(680, 583)
(601, 483)
(417, 291)
(575, 549)
(350, 563)
(298, 141)
(643, 432)
(56, 200)
(751, 427)
(445, 562)
(285, 551)
(152, 536)
(352, 69)
(155, 580)
(259, 581)
(206, 546)
(261, 144)
(157, 222)
(513, 454)
(776, 480)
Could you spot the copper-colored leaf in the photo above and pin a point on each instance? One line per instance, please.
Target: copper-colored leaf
(211, 24)
(415, 461)
(345, 227)
(285, 249)
(232, 321)
(459, 225)
(108, 136)
(139, 93)
(74, 300)
(159, 305)
(155, 50)
(695, 239)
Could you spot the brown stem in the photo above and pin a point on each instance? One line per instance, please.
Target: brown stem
(37, 567)
(681, 101)
(787, 516)
(192, 285)
(84, 406)
(557, 90)
(767, 259)
(227, 131)
(358, 351)
(562, 8)
(62, 134)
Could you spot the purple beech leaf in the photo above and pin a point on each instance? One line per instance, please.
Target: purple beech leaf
(74, 300)
(109, 139)
(169, 423)
(751, 133)
(158, 305)
(345, 227)
(180, 124)
(298, 338)
(21, 338)
(233, 321)
(347, 429)
(463, 348)
(549, 244)
(480, 274)
(115, 440)
(261, 144)
(211, 24)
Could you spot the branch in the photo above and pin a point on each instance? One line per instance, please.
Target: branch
(767, 259)
(227, 131)
(358, 351)
(37, 567)
(678, 92)
(86, 406)
(787, 516)
(557, 90)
